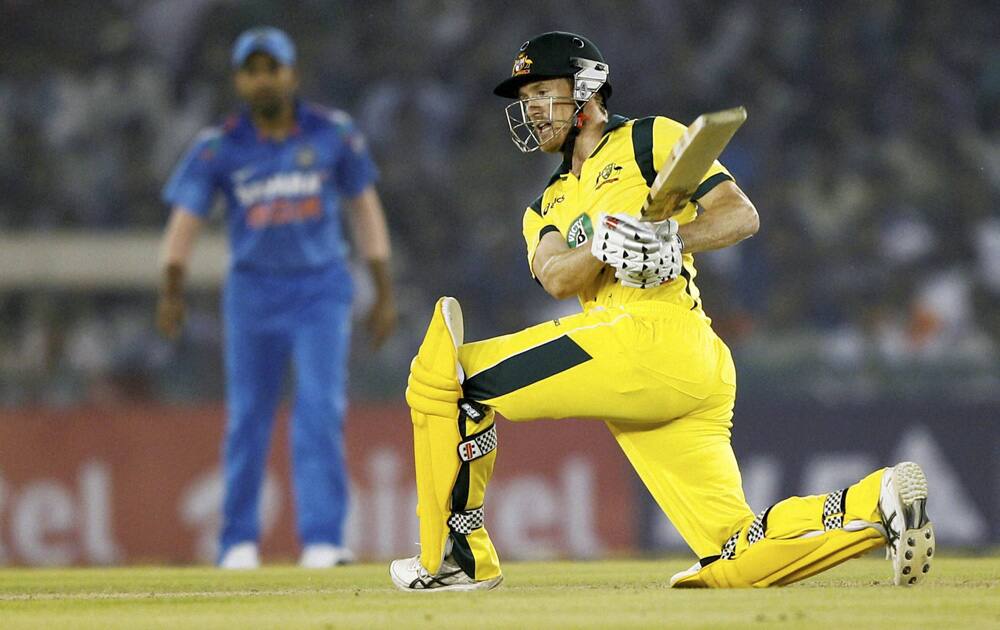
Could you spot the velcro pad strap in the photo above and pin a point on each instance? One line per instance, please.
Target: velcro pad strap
(466, 522)
(729, 548)
(758, 528)
(479, 445)
(833, 509)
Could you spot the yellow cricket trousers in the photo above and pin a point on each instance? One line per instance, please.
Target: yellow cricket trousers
(661, 380)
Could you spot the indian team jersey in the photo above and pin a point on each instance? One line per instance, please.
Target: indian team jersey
(616, 178)
(282, 198)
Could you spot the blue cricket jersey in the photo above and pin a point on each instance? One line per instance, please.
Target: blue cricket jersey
(282, 198)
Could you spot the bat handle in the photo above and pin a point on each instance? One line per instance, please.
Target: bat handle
(672, 203)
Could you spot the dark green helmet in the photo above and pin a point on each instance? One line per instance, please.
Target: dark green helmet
(558, 54)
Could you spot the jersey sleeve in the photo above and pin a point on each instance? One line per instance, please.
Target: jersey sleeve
(535, 226)
(666, 132)
(192, 185)
(355, 170)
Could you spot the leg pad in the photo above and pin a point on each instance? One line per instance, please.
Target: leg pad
(771, 562)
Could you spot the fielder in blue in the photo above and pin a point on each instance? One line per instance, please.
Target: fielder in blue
(287, 170)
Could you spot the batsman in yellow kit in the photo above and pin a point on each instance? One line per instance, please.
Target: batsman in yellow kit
(641, 357)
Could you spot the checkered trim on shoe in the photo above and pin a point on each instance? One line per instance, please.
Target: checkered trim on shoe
(466, 522)
(729, 549)
(479, 445)
(759, 526)
(833, 510)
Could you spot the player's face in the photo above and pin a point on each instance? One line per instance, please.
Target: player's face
(548, 110)
(267, 86)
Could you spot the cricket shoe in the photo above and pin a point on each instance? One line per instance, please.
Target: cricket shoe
(411, 576)
(902, 506)
(324, 556)
(240, 556)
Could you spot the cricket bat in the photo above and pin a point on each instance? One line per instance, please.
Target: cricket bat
(689, 160)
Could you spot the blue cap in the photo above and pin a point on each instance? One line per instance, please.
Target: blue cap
(265, 39)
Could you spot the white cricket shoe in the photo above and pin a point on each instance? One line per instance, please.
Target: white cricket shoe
(409, 575)
(902, 505)
(324, 556)
(241, 556)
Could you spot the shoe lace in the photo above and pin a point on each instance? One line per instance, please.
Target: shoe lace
(892, 533)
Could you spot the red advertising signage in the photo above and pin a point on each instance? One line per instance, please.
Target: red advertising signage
(141, 484)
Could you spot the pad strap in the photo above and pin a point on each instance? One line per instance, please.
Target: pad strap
(472, 410)
(833, 509)
(728, 549)
(755, 533)
(466, 522)
(758, 528)
(479, 445)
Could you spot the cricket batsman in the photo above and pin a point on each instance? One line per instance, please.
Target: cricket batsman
(291, 174)
(641, 356)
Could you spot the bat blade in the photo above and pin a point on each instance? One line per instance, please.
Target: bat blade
(689, 160)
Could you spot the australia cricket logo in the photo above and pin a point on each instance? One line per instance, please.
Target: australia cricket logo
(580, 231)
(608, 175)
(522, 65)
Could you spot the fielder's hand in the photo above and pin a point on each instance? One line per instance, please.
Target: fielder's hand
(170, 315)
(642, 254)
(382, 320)
(170, 306)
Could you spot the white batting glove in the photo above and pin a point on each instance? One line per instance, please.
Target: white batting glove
(643, 254)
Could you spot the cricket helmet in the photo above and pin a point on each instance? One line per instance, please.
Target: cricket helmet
(559, 54)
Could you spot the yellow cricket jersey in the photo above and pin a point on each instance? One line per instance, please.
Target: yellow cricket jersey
(616, 178)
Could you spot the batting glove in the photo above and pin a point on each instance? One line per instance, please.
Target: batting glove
(643, 254)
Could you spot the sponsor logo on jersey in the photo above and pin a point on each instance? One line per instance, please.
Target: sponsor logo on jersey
(608, 175)
(284, 212)
(522, 65)
(580, 231)
(280, 185)
(551, 204)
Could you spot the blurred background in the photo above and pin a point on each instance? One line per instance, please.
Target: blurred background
(864, 317)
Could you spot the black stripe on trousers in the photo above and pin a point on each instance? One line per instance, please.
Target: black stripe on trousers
(461, 552)
(526, 368)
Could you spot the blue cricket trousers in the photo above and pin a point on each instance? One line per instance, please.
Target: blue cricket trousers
(271, 320)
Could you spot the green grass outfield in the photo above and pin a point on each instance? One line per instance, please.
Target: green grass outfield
(959, 593)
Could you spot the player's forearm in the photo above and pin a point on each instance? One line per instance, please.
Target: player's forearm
(182, 231)
(565, 274)
(381, 278)
(726, 219)
(369, 230)
(178, 242)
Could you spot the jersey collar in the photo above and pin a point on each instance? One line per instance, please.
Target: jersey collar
(245, 127)
(614, 122)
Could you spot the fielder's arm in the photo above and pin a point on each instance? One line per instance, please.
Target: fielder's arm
(727, 217)
(182, 231)
(563, 272)
(371, 237)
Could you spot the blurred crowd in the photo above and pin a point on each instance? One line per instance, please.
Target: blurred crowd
(872, 154)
